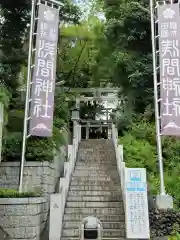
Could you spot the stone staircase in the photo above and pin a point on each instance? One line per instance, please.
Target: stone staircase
(95, 191)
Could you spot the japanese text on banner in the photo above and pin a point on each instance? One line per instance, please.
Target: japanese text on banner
(44, 72)
(169, 43)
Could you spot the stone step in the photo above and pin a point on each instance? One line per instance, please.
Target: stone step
(94, 204)
(98, 149)
(95, 183)
(103, 218)
(95, 188)
(94, 193)
(95, 161)
(94, 198)
(95, 178)
(97, 165)
(94, 167)
(105, 232)
(97, 152)
(104, 238)
(97, 146)
(97, 172)
(102, 164)
(94, 208)
(97, 155)
(106, 225)
(96, 143)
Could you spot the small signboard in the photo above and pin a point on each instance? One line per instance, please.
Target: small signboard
(137, 215)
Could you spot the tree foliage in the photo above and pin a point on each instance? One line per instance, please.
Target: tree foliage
(129, 38)
(140, 151)
(76, 59)
(13, 59)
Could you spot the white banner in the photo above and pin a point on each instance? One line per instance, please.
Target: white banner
(137, 215)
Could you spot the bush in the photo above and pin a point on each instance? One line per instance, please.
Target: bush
(12, 147)
(38, 149)
(11, 193)
(144, 130)
(162, 222)
(140, 151)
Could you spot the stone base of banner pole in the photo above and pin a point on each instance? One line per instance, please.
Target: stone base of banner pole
(164, 202)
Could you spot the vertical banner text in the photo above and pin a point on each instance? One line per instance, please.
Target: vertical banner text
(44, 74)
(169, 59)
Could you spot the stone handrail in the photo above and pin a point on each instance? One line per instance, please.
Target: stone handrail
(119, 157)
(57, 202)
(124, 175)
(1, 127)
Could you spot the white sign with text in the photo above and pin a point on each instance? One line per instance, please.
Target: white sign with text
(137, 215)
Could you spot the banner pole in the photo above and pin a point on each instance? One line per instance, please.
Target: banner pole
(158, 136)
(27, 98)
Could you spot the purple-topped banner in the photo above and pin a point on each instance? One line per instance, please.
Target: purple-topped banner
(44, 74)
(169, 46)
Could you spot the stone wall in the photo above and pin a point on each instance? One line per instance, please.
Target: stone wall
(23, 218)
(26, 218)
(38, 176)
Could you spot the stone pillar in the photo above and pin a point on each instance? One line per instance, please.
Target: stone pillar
(106, 114)
(74, 129)
(109, 131)
(87, 131)
(1, 126)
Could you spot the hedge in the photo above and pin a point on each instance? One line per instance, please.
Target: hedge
(11, 193)
(164, 223)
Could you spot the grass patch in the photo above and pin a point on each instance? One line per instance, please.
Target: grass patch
(11, 193)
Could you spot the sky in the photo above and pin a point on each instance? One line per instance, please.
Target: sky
(86, 5)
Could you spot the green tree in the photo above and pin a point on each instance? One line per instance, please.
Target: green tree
(128, 34)
(13, 59)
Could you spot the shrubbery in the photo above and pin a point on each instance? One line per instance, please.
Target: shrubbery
(11, 193)
(164, 223)
(139, 145)
(38, 149)
(140, 151)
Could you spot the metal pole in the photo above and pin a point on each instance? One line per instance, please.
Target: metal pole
(1, 126)
(158, 137)
(27, 97)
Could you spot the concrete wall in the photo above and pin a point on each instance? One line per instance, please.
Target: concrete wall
(23, 218)
(26, 218)
(38, 176)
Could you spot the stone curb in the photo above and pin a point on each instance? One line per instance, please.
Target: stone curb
(18, 201)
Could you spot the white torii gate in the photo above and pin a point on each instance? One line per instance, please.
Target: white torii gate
(97, 96)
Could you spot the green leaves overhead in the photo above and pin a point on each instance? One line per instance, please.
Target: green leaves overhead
(129, 38)
(77, 52)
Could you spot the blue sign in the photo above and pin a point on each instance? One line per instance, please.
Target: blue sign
(136, 186)
(135, 176)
